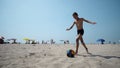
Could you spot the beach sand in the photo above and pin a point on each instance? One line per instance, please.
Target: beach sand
(54, 56)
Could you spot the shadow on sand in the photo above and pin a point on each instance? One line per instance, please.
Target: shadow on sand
(93, 55)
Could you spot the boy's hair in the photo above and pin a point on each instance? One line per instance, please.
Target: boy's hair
(75, 13)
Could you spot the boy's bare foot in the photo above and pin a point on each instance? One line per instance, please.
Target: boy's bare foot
(89, 53)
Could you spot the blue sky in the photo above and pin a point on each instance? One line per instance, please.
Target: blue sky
(46, 19)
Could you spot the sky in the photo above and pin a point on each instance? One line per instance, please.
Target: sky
(48, 19)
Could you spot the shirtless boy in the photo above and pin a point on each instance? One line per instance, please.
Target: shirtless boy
(80, 31)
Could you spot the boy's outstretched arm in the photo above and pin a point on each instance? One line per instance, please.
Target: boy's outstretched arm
(71, 26)
(89, 21)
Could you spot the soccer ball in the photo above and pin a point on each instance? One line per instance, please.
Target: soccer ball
(71, 53)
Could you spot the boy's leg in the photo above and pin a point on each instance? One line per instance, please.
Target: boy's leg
(82, 41)
(77, 43)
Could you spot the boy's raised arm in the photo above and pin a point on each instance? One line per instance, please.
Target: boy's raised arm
(89, 21)
(71, 26)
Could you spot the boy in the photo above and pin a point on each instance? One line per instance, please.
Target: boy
(80, 31)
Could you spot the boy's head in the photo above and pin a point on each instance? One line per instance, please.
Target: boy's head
(75, 15)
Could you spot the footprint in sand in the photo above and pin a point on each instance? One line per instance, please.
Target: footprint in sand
(31, 54)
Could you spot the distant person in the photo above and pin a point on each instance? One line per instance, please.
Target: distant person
(43, 42)
(67, 41)
(80, 31)
(33, 42)
(1, 41)
(51, 41)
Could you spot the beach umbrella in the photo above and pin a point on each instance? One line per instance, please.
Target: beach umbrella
(26, 39)
(101, 40)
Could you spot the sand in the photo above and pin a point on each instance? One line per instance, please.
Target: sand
(54, 56)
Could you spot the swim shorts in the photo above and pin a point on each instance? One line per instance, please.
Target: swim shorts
(81, 31)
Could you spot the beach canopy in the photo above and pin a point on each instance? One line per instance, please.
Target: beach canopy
(101, 40)
(26, 39)
(13, 39)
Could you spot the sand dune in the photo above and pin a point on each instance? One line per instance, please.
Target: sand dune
(54, 56)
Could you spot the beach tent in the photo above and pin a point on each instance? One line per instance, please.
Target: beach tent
(101, 40)
(13, 39)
